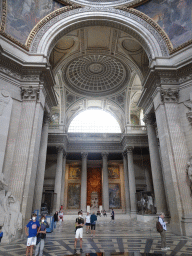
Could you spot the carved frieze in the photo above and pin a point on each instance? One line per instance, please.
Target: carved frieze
(169, 95)
(30, 93)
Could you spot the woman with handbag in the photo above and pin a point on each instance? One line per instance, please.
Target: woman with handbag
(41, 235)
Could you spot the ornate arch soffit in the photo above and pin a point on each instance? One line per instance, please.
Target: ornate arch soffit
(49, 30)
(127, 3)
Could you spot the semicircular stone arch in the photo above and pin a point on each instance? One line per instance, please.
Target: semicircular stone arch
(48, 31)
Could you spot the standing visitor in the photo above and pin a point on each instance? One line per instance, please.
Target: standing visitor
(87, 222)
(55, 218)
(41, 235)
(31, 232)
(93, 224)
(79, 232)
(113, 216)
(163, 233)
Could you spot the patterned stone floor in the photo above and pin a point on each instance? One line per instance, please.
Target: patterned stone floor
(128, 236)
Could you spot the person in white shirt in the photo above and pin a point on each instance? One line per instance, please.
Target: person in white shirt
(87, 222)
(163, 233)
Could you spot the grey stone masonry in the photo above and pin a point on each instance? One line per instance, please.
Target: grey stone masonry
(84, 182)
(174, 159)
(105, 184)
(58, 178)
(132, 186)
(157, 176)
(41, 165)
(126, 182)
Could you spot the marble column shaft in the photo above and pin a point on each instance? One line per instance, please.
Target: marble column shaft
(157, 175)
(58, 178)
(105, 183)
(63, 179)
(132, 185)
(126, 182)
(84, 182)
(41, 165)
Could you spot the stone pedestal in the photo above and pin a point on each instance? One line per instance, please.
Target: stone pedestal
(126, 182)
(132, 186)
(63, 179)
(58, 178)
(105, 183)
(84, 182)
(41, 165)
(157, 176)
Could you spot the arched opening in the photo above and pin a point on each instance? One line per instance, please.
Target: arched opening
(94, 121)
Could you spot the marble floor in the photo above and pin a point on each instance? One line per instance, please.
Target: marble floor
(124, 237)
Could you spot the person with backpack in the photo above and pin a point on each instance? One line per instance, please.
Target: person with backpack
(162, 228)
(41, 235)
(79, 232)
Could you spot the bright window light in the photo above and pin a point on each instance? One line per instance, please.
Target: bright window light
(94, 121)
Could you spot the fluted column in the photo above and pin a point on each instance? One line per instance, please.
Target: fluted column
(58, 177)
(41, 164)
(132, 186)
(63, 179)
(84, 182)
(157, 175)
(105, 183)
(126, 182)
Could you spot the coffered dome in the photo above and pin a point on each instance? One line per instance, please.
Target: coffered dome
(95, 74)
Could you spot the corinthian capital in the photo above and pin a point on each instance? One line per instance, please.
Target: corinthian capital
(169, 95)
(104, 154)
(84, 155)
(30, 93)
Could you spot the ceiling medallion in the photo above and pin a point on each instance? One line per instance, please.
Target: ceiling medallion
(106, 3)
(95, 75)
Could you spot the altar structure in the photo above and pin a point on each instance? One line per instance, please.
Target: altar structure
(130, 58)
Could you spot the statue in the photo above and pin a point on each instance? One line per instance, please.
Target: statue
(10, 215)
(189, 172)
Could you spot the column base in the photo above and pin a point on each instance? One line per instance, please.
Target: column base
(133, 214)
(186, 225)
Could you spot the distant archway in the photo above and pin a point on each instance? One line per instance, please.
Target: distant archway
(94, 121)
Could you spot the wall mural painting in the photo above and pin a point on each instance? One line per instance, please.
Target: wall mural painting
(113, 172)
(74, 172)
(23, 15)
(174, 16)
(94, 187)
(73, 200)
(114, 196)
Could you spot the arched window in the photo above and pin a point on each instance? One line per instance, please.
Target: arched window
(94, 121)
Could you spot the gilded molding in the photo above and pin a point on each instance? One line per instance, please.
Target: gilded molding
(4, 15)
(46, 19)
(152, 23)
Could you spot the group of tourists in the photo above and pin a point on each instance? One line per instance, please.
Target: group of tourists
(36, 231)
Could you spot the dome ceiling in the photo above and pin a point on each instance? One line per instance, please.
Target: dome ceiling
(95, 74)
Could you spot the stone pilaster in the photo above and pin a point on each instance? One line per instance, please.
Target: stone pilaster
(25, 159)
(58, 178)
(105, 182)
(126, 182)
(63, 179)
(157, 175)
(132, 185)
(84, 182)
(174, 158)
(41, 164)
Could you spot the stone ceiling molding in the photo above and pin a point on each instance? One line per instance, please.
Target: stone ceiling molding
(96, 74)
(108, 3)
(49, 30)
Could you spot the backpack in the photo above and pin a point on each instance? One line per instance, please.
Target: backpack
(159, 227)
